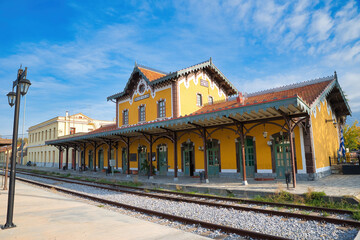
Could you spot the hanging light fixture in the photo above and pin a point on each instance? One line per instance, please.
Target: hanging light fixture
(11, 98)
(265, 132)
(24, 86)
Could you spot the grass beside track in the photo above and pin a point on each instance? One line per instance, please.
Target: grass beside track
(310, 198)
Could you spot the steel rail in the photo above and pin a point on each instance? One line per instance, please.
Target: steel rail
(220, 198)
(219, 205)
(208, 225)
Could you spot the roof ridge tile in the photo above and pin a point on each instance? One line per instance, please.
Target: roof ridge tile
(152, 69)
(291, 86)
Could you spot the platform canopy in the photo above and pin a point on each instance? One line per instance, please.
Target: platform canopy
(291, 101)
(246, 113)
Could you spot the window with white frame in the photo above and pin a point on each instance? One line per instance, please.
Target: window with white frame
(142, 113)
(211, 100)
(199, 99)
(161, 109)
(126, 117)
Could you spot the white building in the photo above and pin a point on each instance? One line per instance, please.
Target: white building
(44, 155)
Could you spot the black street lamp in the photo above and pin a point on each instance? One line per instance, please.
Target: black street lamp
(22, 85)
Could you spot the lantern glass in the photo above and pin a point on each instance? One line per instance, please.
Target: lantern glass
(24, 86)
(265, 134)
(11, 98)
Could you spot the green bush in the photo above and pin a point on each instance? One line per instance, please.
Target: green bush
(145, 167)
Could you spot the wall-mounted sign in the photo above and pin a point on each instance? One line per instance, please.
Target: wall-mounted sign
(142, 97)
(112, 162)
(204, 83)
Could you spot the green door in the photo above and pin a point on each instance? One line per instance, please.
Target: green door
(101, 159)
(91, 164)
(187, 156)
(142, 159)
(249, 157)
(186, 162)
(124, 160)
(213, 155)
(162, 160)
(282, 156)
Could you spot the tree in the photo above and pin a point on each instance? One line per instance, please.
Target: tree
(352, 136)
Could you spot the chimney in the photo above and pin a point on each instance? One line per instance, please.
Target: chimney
(240, 98)
(66, 113)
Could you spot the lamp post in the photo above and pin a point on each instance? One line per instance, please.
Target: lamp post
(22, 85)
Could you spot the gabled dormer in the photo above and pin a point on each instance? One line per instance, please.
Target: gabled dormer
(155, 95)
(143, 99)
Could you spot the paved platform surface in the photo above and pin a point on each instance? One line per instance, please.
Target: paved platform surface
(41, 214)
(336, 185)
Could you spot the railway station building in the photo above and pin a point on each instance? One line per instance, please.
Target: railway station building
(48, 156)
(194, 121)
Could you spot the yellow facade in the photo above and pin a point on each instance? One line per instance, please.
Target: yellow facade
(150, 105)
(191, 86)
(325, 135)
(263, 116)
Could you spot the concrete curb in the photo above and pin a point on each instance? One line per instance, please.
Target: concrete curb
(238, 193)
(357, 236)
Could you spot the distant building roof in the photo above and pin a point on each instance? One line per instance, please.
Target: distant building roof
(104, 128)
(4, 142)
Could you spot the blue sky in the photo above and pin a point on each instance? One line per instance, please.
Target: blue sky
(80, 52)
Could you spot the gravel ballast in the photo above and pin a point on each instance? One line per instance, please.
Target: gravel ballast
(275, 225)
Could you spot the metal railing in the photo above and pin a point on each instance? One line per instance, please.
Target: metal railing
(343, 160)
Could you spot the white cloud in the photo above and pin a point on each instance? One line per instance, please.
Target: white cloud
(347, 55)
(268, 13)
(298, 22)
(347, 23)
(321, 24)
(260, 44)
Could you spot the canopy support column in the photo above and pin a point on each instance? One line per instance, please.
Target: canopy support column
(60, 156)
(67, 157)
(117, 155)
(242, 142)
(128, 155)
(175, 158)
(151, 156)
(205, 155)
(292, 156)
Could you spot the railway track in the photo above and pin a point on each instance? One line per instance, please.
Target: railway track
(199, 199)
(226, 229)
(138, 191)
(196, 199)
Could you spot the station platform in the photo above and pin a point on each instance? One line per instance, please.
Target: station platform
(335, 186)
(41, 214)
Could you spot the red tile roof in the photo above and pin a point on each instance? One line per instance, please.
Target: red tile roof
(150, 74)
(308, 93)
(104, 128)
(4, 141)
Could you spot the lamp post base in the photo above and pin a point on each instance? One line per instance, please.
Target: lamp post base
(7, 225)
